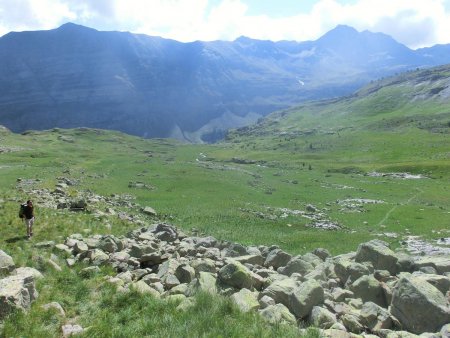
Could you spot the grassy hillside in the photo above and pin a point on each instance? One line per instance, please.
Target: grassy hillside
(274, 183)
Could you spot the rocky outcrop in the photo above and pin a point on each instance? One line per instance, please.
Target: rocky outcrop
(18, 289)
(363, 291)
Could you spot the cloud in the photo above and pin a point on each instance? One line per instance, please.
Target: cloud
(415, 23)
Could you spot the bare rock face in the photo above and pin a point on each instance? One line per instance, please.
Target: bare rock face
(419, 306)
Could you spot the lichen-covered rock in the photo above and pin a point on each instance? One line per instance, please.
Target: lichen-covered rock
(378, 253)
(369, 290)
(278, 313)
(419, 306)
(237, 275)
(246, 300)
(305, 297)
(205, 282)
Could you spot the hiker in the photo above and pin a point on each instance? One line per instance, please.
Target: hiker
(28, 213)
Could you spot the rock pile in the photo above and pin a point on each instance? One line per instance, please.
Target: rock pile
(373, 290)
(17, 286)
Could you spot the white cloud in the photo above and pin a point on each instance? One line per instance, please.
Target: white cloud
(413, 22)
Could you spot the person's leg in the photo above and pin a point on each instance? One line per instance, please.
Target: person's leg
(28, 223)
(31, 226)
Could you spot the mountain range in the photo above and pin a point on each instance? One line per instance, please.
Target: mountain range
(148, 86)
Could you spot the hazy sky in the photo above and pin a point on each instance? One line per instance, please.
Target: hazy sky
(415, 23)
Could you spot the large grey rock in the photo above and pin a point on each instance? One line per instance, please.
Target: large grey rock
(375, 317)
(419, 306)
(305, 297)
(296, 265)
(369, 290)
(250, 259)
(16, 292)
(440, 263)
(277, 258)
(166, 232)
(98, 257)
(234, 250)
(237, 275)
(280, 290)
(185, 273)
(378, 253)
(442, 283)
(246, 300)
(205, 282)
(278, 313)
(204, 265)
(143, 288)
(352, 323)
(322, 318)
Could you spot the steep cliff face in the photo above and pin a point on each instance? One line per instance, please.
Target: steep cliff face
(148, 86)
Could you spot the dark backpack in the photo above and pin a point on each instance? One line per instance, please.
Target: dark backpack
(22, 210)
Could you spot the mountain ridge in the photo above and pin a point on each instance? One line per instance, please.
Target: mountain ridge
(76, 76)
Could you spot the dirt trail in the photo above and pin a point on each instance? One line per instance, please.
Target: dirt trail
(395, 206)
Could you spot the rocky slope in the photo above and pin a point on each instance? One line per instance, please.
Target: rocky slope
(371, 291)
(148, 86)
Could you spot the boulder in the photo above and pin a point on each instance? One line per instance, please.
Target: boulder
(149, 211)
(265, 301)
(277, 258)
(185, 273)
(166, 232)
(277, 314)
(322, 318)
(234, 250)
(204, 265)
(419, 306)
(143, 288)
(246, 300)
(378, 253)
(56, 307)
(16, 292)
(98, 257)
(375, 317)
(205, 282)
(321, 253)
(296, 265)
(237, 275)
(352, 323)
(440, 263)
(108, 244)
(442, 283)
(250, 259)
(70, 330)
(280, 290)
(369, 290)
(26, 271)
(305, 297)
